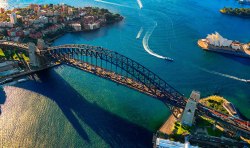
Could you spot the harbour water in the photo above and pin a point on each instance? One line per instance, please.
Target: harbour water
(66, 107)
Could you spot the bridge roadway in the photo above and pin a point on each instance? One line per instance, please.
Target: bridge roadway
(141, 78)
(122, 65)
(107, 74)
(25, 73)
(23, 46)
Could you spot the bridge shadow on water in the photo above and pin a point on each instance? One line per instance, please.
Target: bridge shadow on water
(114, 130)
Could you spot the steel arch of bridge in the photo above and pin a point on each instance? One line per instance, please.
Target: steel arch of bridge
(79, 53)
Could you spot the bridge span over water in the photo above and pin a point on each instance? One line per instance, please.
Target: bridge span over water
(122, 70)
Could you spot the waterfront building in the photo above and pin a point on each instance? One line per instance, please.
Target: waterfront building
(217, 40)
(35, 35)
(6, 24)
(188, 114)
(56, 13)
(49, 13)
(76, 26)
(41, 44)
(11, 32)
(70, 11)
(166, 143)
(26, 32)
(13, 18)
(64, 8)
(32, 6)
(43, 19)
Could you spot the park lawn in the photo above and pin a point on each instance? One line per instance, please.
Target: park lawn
(26, 58)
(15, 57)
(215, 102)
(182, 129)
(2, 53)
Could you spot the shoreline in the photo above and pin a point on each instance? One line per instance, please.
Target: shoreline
(51, 40)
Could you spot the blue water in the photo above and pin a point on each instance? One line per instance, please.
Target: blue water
(70, 108)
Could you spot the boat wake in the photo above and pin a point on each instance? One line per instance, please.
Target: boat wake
(139, 33)
(225, 75)
(146, 46)
(140, 4)
(111, 3)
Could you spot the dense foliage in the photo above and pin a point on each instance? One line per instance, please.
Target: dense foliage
(215, 102)
(245, 12)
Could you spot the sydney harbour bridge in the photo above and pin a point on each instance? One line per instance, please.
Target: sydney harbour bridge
(119, 69)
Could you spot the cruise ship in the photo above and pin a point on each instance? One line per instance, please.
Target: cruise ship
(215, 42)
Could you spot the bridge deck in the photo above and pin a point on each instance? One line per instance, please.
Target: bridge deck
(104, 73)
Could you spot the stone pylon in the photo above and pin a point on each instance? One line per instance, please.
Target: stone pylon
(33, 55)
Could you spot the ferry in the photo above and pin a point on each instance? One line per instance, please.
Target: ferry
(22, 80)
(215, 42)
(168, 59)
(248, 81)
(139, 33)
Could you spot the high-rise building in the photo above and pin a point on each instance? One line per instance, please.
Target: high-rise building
(13, 18)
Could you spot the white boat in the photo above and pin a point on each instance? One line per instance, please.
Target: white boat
(139, 33)
(21, 80)
(168, 59)
(140, 4)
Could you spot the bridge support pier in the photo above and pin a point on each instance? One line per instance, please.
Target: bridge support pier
(189, 112)
(34, 58)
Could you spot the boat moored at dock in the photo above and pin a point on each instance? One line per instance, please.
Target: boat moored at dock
(215, 42)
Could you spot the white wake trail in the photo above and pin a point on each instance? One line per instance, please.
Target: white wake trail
(146, 46)
(224, 75)
(111, 3)
(139, 33)
(140, 4)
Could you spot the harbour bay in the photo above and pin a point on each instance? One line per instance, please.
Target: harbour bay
(179, 25)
